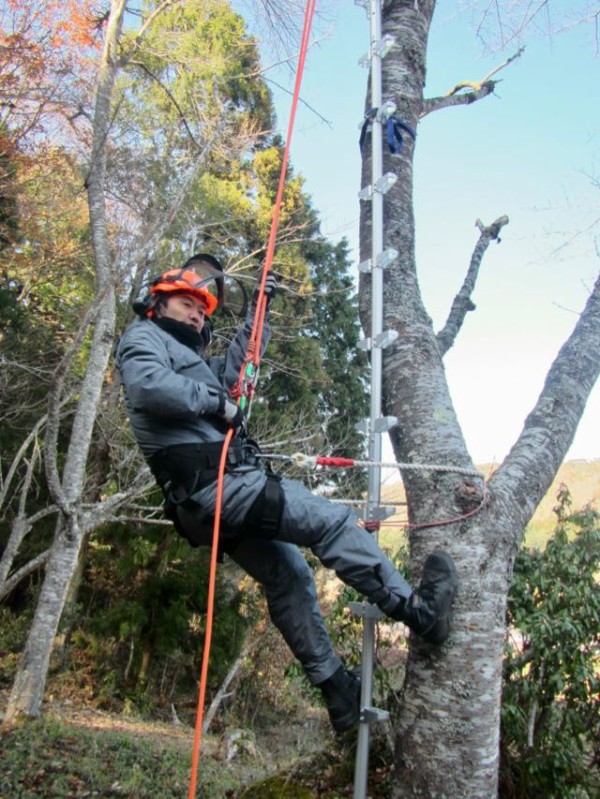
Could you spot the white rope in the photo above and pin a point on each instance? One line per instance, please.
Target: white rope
(302, 460)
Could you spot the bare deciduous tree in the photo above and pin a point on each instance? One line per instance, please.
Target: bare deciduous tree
(447, 738)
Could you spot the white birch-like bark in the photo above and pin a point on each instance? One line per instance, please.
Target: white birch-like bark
(67, 489)
(447, 738)
(28, 689)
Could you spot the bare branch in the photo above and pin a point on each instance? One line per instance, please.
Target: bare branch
(20, 528)
(453, 100)
(142, 31)
(498, 18)
(518, 54)
(104, 511)
(529, 468)
(231, 674)
(7, 587)
(172, 99)
(478, 90)
(527, 19)
(5, 485)
(462, 302)
(303, 102)
(55, 402)
(278, 21)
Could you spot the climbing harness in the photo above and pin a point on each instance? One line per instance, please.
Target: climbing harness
(243, 392)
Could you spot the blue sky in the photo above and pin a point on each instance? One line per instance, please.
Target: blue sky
(530, 152)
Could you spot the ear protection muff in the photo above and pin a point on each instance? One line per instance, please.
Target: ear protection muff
(206, 334)
(144, 302)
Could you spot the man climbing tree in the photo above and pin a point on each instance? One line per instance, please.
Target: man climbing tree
(180, 407)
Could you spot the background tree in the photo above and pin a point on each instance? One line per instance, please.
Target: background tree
(448, 729)
(66, 488)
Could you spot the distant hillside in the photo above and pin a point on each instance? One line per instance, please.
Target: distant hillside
(582, 478)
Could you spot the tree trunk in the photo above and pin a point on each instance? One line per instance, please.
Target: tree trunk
(447, 739)
(28, 688)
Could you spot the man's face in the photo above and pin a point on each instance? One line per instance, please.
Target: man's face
(184, 308)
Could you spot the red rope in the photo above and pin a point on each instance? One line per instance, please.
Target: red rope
(252, 356)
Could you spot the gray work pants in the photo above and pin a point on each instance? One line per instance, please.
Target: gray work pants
(329, 530)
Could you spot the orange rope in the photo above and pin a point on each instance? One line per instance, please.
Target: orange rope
(209, 619)
(261, 304)
(252, 356)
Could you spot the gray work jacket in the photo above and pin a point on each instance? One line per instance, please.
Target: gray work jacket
(172, 393)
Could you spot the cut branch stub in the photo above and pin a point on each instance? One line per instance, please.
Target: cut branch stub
(463, 303)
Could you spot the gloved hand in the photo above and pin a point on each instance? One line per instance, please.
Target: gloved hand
(230, 412)
(270, 289)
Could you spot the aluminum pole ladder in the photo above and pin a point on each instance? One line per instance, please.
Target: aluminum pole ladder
(376, 424)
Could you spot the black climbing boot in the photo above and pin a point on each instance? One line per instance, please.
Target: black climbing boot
(427, 610)
(341, 693)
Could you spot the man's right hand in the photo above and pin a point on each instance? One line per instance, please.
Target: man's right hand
(230, 412)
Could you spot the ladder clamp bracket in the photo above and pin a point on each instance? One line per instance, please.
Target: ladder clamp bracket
(366, 193)
(384, 45)
(364, 426)
(373, 715)
(379, 513)
(385, 183)
(384, 423)
(382, 512)
(364, 4)
(386, 338)
(386, 257)
(382, 186)
(387, 110)
(382, 341)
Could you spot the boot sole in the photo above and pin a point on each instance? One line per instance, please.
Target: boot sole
(440, 630)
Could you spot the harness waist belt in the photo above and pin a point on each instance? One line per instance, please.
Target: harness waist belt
(196, 464)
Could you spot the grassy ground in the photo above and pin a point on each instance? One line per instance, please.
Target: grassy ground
(271, 739)
(51, 758)
(82, 753)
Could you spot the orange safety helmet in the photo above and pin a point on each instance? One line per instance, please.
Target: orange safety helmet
(185, 280)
